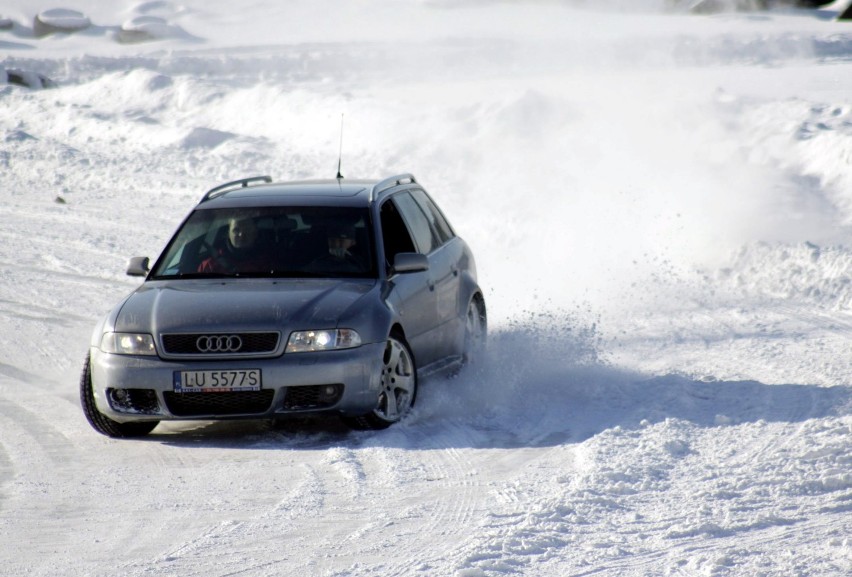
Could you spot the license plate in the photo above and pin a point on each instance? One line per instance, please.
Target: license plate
(217, 381)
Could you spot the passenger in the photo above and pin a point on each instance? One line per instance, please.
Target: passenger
(341, 239)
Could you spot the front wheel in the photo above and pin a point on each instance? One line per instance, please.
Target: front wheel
(100, 422)
(399, 388)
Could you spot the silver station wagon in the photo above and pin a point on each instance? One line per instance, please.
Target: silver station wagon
(282, 299)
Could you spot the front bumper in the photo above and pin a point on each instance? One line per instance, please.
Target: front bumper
(138, 388)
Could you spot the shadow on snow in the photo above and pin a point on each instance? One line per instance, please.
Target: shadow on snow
(534, 388)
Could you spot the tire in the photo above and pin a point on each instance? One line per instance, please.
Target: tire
(100, 422)
(475, 332)
(399, 388)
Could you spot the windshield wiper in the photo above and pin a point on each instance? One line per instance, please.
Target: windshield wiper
(194, 275)
(271, 274)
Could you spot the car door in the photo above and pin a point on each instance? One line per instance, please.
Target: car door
(447, 256)
(411, 292)
(442, 274)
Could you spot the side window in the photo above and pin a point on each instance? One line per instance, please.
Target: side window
(417, 221)
(394, 233)
(433, 213)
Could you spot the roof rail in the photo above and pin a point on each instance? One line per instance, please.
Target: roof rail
(391, 182)
(242, 183)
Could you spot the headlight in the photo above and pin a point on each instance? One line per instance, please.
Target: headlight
(307, 341)
(128, 344)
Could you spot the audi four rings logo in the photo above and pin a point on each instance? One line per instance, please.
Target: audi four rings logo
(219, 343)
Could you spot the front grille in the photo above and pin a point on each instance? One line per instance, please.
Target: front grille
(312, 397)
(219, 404)
(249, 343)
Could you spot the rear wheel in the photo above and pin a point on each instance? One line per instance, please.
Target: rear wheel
(100, 422)
(475, 331)
(399, 388)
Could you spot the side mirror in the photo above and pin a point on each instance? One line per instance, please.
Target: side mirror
(138, 266)
(405, 262)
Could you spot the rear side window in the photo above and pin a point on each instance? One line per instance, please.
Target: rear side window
(424, 237)
(433, 213)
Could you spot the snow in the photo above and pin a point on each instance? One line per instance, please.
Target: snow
(660, 204)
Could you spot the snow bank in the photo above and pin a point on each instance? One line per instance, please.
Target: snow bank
(659, 207)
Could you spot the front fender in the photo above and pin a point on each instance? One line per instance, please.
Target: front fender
(107, 323)
(373, 314)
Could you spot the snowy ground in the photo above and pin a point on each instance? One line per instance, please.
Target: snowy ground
(661, 208)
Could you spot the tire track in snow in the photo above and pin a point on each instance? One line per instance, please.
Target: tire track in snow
(366, 518)
(271, 538)
(450, 496)
(40, 483)
(72, 477)
(463, 515)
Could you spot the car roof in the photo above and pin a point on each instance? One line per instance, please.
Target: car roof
(328, 192)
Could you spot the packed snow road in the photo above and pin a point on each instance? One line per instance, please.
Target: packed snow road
(660, 208)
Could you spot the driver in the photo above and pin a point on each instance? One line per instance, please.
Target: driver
(240, 253)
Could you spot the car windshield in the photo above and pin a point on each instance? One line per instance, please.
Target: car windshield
(271, 242)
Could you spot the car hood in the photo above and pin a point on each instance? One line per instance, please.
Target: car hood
(243, 304)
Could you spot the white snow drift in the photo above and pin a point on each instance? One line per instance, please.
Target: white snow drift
(660, 205)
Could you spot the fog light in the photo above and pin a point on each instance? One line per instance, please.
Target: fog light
(135, 401)
(329, 393)
(120, 400)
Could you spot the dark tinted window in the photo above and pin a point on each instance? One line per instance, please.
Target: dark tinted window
(424, 237)
(394, 232)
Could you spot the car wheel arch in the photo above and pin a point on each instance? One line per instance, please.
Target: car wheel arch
(397, 350)
(468, 291)
(397, 330)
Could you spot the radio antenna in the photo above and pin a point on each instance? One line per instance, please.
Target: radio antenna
(340, 155)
